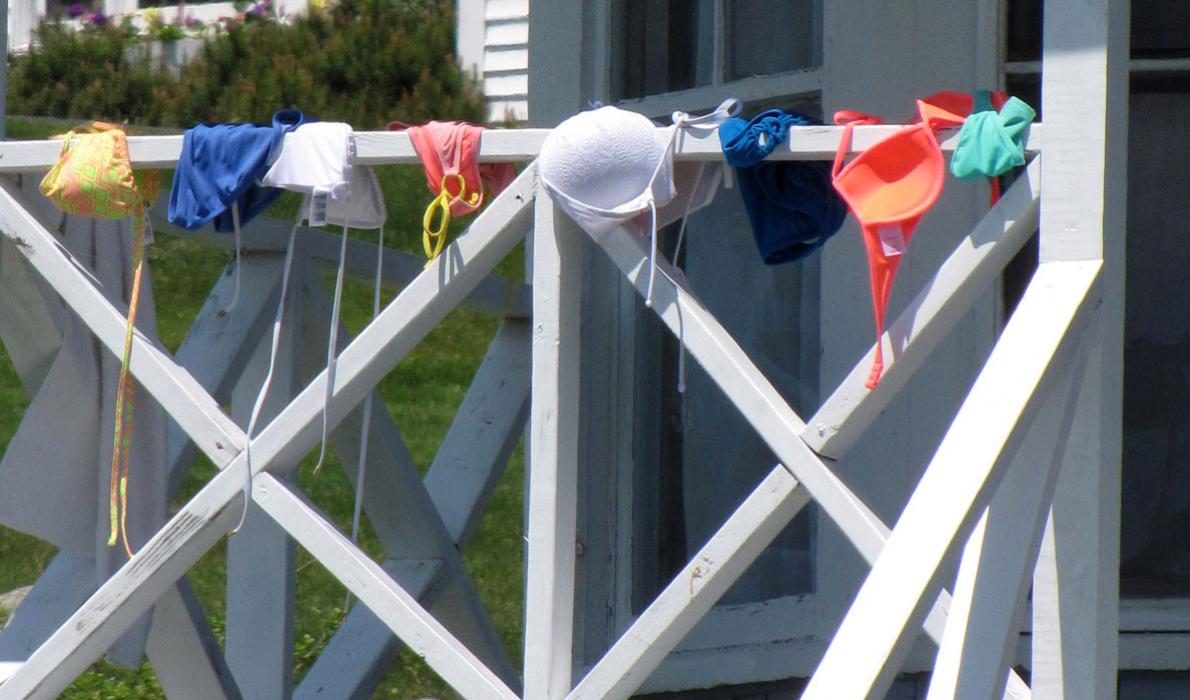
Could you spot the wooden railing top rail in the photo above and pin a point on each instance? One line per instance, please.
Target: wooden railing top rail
(499, 145)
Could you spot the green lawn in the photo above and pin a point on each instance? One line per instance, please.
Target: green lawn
(421, 393)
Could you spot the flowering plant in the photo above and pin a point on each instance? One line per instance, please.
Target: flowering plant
(157, 28)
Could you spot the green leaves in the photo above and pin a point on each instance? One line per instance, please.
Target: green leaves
(366, 62)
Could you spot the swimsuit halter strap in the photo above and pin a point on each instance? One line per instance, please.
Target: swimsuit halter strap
(848, 120)
(681, 120)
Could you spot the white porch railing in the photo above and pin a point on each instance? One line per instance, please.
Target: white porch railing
(425, 300)
(1002, 488)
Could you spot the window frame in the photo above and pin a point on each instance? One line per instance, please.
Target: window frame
(767, 651)
(1154, 633)
(791, 84)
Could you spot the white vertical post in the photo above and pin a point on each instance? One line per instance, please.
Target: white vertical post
(553, 461)
(1084, 99)
(261, 556)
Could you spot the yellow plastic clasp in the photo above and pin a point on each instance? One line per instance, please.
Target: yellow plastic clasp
(433, 237)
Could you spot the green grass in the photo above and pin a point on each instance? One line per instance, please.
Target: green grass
(422, 394)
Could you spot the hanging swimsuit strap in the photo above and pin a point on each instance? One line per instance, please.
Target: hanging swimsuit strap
(148, 185)
(274, 348)
(849, 120)
(681, 121)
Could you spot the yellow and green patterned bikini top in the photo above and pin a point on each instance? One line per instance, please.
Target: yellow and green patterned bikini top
(94, 178)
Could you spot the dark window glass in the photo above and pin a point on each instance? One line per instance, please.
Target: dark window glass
(753, 49)
(665, 45)
(1160, 29)
(1154, 554)
(661, 45)
(1024, 30)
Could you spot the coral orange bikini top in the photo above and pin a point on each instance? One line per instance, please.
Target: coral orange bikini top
(890, 186)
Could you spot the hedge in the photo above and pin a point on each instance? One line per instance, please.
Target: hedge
(365, 62)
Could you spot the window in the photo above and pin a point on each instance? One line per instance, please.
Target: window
(1160, 29)
(668, 46)
(1154, 557)
(683, 462)
(696, 457)
(798, 43)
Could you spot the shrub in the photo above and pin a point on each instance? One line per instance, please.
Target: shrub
(88, 74)
(361, 61)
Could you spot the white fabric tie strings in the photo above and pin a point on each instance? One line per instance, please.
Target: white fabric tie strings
(366, 422)
(681, 122)
(332, 346)
(677, 250)
(275, 345)
(317, 160)
(235, 224)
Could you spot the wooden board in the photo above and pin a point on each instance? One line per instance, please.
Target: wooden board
(553, 458)
(517, 145)
(866, 652)
(201, 522)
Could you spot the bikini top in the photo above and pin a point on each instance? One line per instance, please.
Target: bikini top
(604, 167)
(316, 160)
(890, 186)
(94, 177)
(220, 165)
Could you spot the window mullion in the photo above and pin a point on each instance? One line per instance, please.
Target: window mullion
(719, 33)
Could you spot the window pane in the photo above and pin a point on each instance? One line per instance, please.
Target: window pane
(661, 46)
(1024, 30)
(1154, 552)
(772, 312)
(1160, 29)
(1155, 505)
(753, 48)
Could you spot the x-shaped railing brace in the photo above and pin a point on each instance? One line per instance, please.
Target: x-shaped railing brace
(833, 429)
(421, 554)
(204, 519)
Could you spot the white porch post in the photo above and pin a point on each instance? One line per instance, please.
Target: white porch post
(1084, 98)
(20, 19)
(469, 41)
(553, 450)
